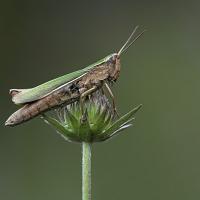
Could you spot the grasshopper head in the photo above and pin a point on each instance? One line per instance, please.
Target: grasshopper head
(113, 63)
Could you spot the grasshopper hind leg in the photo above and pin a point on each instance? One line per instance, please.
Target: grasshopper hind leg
(83, 96)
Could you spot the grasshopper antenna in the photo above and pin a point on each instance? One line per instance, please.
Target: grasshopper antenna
(125, 47)
(128, 40)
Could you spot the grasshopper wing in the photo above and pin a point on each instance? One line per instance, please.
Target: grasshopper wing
(21, 96)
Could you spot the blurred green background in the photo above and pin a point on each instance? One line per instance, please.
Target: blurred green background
(158, 158)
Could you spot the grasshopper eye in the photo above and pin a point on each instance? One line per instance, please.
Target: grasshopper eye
(112, 58)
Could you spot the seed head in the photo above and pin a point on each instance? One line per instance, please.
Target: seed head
(97, 122)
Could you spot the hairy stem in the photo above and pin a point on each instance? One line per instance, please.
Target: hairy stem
(86, 171)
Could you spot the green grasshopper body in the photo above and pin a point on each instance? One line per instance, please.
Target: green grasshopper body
(66, 89)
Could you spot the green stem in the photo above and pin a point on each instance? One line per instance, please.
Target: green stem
(86, 171)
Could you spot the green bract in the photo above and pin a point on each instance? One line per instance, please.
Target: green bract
(97, 123)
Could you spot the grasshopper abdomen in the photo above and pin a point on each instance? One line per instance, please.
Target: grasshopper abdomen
(65, 95)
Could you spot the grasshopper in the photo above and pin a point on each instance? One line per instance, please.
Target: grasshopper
(69, 88)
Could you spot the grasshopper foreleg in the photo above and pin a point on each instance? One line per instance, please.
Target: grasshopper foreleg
(112, 97)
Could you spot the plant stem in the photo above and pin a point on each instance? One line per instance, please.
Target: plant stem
(86, 171)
